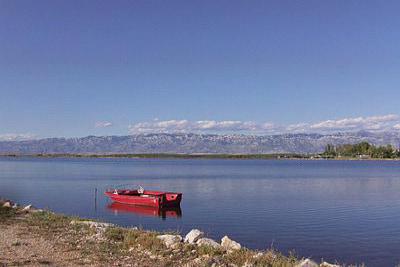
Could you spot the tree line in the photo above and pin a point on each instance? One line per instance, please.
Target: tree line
(363, 149)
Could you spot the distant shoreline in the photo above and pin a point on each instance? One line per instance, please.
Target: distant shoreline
(198, 156)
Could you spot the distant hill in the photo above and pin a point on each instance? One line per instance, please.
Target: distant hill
(196, 143)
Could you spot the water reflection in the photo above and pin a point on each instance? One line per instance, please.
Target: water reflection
(173, 212)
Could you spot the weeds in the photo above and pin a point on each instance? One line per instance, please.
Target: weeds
(49, 220)
(128, 238)
(209, 250)
(6, 213)
(269, 258)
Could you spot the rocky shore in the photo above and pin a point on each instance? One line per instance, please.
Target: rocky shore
(35, 237)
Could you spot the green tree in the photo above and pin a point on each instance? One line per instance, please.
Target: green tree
(330, 150)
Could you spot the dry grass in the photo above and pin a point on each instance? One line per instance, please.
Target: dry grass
(127, 238)
(48, 220)
(6, 213)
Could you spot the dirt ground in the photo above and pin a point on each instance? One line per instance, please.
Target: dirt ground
(19, 246)
(54, 242)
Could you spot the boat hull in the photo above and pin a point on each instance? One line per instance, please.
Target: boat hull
(147, 198)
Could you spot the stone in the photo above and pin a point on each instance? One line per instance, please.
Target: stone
(197, 261)
(258, 255)
(36, 210)
(170, 240)
(248, 264)
(175, 246)
(327, 264)
(27, 208)
(93, 224)
(7, 204)
(207, 242)
(307, 263)
(193, 236)
(229, 244)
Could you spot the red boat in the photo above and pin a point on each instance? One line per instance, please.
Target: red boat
(144, 197)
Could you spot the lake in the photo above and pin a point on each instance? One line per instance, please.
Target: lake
(347, 211)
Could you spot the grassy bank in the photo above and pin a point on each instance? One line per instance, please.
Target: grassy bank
(55, 239)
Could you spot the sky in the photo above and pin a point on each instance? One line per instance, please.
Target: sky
(78, 68)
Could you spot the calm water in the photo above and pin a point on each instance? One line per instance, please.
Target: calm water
(343, 210)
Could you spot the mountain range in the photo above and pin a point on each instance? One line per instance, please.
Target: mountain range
(197, 143)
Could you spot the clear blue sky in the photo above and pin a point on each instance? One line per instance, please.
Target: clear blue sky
(65, 65)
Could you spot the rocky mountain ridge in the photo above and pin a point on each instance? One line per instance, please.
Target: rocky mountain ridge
(197, 143)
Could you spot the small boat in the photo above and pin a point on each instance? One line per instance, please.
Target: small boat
(144, 197)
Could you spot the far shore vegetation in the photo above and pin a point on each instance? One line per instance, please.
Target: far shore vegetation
(363, 150)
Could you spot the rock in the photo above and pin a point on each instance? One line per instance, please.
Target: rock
(7, 204)
(207, 242)
(15, 206)
(36, 210)
(175, 246)
(229, 244)
(170, 240)
(27, 208)
(93, 224)
(193, 236)
(175, 251)
(258, 255)
(326, 264)
(307, 263)
(98, 236)
(197, 261)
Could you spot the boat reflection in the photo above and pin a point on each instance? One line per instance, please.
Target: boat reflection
(173, 212)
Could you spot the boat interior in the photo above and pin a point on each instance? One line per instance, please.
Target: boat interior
(132, 193)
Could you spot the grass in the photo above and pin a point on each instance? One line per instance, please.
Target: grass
(209, 250)
(269, 258)
(6, 213)
(49, 221)
(128, 238)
